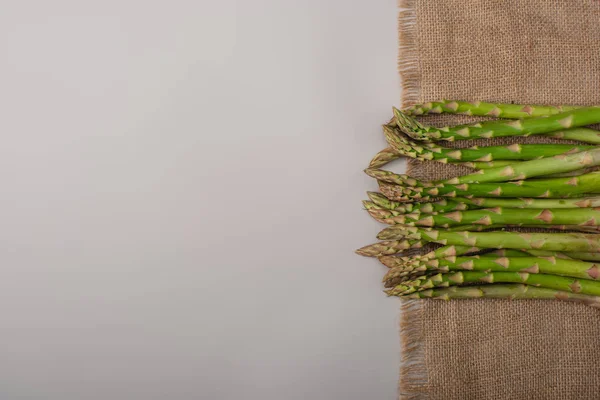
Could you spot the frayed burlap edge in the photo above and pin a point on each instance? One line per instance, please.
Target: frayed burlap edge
(413, 371)
(412, 384)
(408, 61)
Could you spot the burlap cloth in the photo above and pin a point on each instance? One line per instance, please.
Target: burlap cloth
(535, 51)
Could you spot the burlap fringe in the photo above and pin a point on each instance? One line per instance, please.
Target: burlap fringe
(408, 63)
(413, 372)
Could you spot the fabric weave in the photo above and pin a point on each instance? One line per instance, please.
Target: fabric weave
(536, 52)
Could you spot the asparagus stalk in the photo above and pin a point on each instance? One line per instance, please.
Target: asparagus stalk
(502, 163)
(484, 164)
(481, 228)
(448, 252)
(404, 268)
(534, 265)
(433, 151)
(392, 261)
(463, 203)
(503, 291)
(388, 247)
(529, 169)
(542, 188)
(383, 157)
(440, 252)
(483, 202)
(417, 219)
(521, 170)
(562, 283)
(510, 111)
(410, 208)
(503, 216)
(522, 127)
(576, 255)
(545, 253)
(585, 135)
(498, 239)
(384, 202)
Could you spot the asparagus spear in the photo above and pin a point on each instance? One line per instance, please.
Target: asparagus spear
(529, 169)
(503, 216)
(545, 253)
(463, 203)
(440, 252)
(499, 239)
(576, 255)
(405, 268)
(521, 170)
(383, 157)
(585, 135)
(542, 188)
(483, 164)
(521, 127)
(511, 111)
(562, 283)
(496, 227)
(393, 261)
(409, 208)
(389, 247)
(475, 157)
(534, 265)
(433, 151)
(384, 202)
(504, 291)
(448, 252)
(417, 219)
(483, 202)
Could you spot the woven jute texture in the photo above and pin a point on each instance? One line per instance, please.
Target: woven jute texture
(535, 51)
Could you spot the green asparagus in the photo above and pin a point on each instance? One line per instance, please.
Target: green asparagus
(542, 188)
(503, 216)
(433, 151)
(534, 265)
(385, 156)
(510, 111)
(562, 283)
(521, 127)
(497, 239)
(504, 291)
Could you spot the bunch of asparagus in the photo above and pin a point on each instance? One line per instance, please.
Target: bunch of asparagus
(482, 220)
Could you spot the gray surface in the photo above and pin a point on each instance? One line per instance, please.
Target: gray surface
(167, 230)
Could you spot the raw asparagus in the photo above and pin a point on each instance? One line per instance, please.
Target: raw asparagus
(498, 239)
(425, 208)
(488, 129)
(522, 170)
(503, 216)
(484, 202)
(383, 202)
(463, 203)
(483, 164)
(433, 151)
(499, 110)
(534, 265)
(562, 283)
(504, 291)
(383, 157)
(541, 188)
(448, 252)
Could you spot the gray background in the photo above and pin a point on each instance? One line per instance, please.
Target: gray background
(180, 199)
